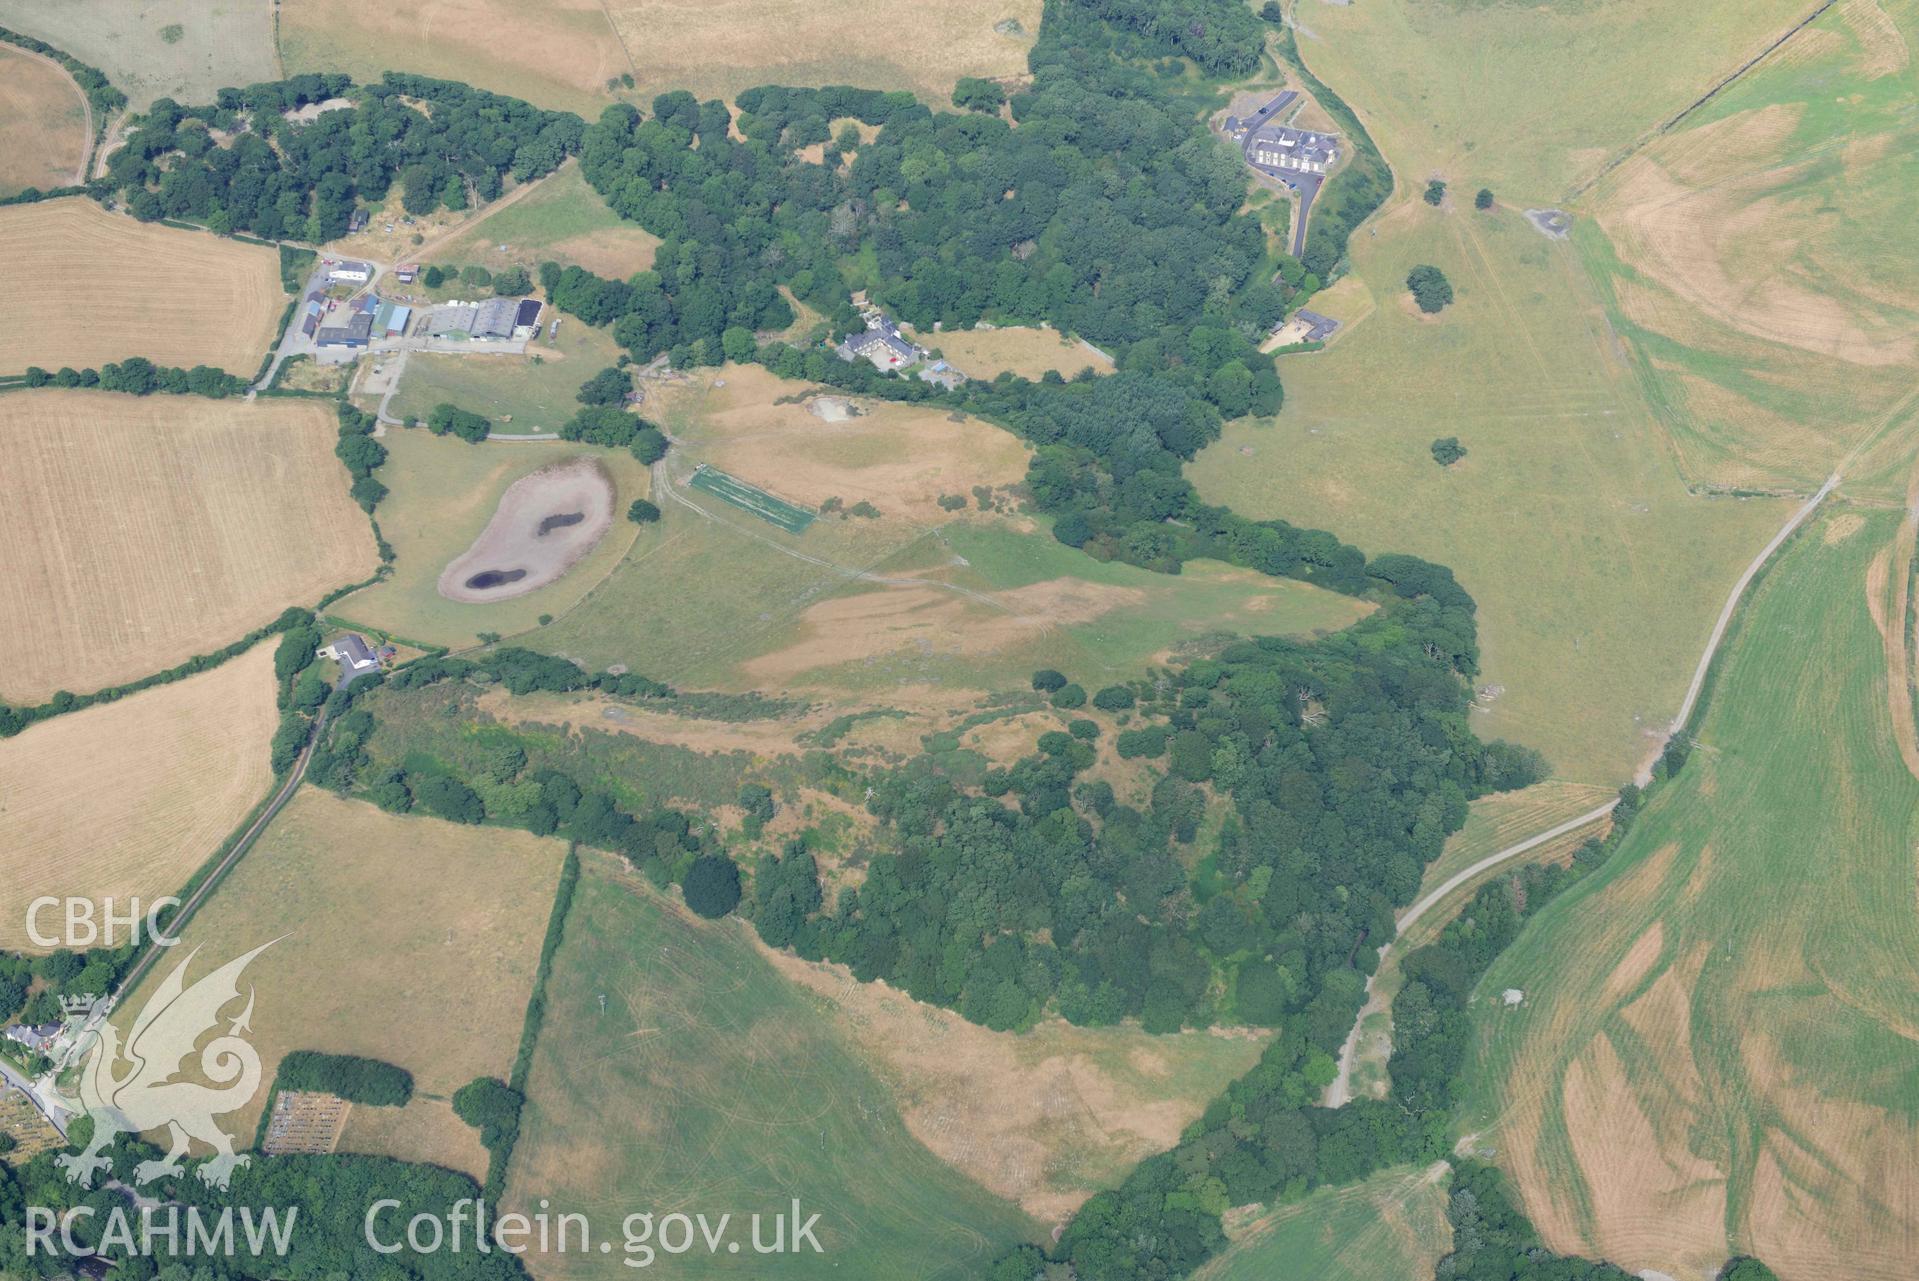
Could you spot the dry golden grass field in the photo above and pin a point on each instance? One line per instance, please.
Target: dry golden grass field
(130, 798)
(562, 53)
(1025, 350)
(43, 129)
(144, 530)
(182, 49)
(401, 938)
(1045, 1118)
(86, 287)
(901, 458)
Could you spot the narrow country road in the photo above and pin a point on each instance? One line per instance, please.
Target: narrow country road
(1340, 1091)
(240, 847)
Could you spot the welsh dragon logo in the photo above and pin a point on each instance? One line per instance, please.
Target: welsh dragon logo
(147, 1098)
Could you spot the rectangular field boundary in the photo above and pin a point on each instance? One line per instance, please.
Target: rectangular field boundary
(731, 489)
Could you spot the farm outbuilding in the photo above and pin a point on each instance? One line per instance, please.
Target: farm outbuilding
(496, 318)
(357, 332)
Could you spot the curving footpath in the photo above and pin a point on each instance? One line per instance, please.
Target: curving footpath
(1340, 1091)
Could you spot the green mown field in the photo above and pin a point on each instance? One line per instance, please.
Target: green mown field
(537, 391)
(563, 220)
(748, 498)
(709, 1084)
(1392, 1227)
(1714, 1050)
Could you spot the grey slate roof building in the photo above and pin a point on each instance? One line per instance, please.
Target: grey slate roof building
(1275, 149)
(1322, 327)
(355, 333)
(496, 318)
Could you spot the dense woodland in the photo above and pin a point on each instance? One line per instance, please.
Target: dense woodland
(240, 164)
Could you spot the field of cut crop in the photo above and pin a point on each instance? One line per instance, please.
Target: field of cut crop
(1392, 1227)
(401, 938)
(443, 493)
(180, 49)
(1021, 349)
(710, 1084)
(1714, 1050)
(143, 530)
(86, 287)
(128, 799)
(43, 123)
(563, 53)
(1758, 259)
(1519, 98)
(1566, 517)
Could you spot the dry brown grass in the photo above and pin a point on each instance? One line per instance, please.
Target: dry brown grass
(1727, 250)
(86, 287)
(561, 53)
(843, 629)
(142, 531)
(425, 1131)
(719, 47)
(129, 798)
(1883, 49)
(1023, 349)
(405, 939)
(43, 131)
(900, 458)
(1044, 1118)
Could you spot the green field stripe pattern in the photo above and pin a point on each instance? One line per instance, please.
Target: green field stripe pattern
(731, 489)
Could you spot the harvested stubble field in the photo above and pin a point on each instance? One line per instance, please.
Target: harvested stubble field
(901, 458)
(401, 938)
(130, 798)
(86, 287)
(1025, 350)
(1562, 518)
(443, 493)
(43, 123)
(144, 530)
(562, 53)
(1759, 259)
(1714, 1053)
(217, 43)
(709, 1083)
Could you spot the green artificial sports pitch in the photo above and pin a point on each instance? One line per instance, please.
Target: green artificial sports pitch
(732, 489)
